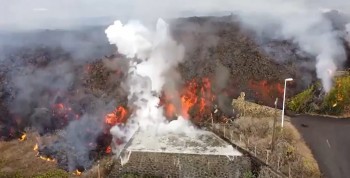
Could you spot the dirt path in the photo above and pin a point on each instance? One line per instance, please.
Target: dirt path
(329, 140)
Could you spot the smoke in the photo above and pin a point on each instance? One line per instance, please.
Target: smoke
(299, 21)
(347, 31)
(305, 27)
(157, 53)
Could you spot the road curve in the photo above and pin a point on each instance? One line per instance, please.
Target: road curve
(329, 141)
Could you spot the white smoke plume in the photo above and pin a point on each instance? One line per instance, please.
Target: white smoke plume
(299, 21)
(296, 22)
(347, 33)
(158, 53)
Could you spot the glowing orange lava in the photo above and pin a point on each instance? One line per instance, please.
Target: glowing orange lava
(108, 149)
(268, 91)
(119, 115)
(195, 94)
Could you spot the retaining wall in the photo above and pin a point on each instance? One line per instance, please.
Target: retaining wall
(183, 165)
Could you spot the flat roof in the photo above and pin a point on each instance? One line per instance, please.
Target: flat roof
(199, 142)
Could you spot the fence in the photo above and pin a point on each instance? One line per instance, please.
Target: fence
(283, 159)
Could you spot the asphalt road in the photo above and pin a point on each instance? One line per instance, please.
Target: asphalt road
(329, 141)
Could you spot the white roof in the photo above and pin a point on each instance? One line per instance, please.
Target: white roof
(202, 142)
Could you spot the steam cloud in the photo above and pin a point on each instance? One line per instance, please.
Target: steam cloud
(294, 21)
(157, 53)
(298, 21)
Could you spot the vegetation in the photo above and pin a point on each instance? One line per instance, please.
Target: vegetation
(338, 98)
(299, 103)
(15, 174)
(248, 174)
(289, 153)
(55, 173)
(335, 102)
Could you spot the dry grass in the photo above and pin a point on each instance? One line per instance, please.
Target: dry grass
(290, 149)
(18, 159)
(101, 169)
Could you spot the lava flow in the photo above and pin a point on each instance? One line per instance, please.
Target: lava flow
(266, 91)
(196, 94)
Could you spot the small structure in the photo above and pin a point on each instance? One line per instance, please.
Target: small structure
(198, 154)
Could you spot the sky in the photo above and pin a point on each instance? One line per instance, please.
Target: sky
(32, 14)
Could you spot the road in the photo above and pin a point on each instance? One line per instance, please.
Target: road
(329, 141)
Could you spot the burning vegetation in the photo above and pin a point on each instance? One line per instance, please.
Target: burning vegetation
(313, 100)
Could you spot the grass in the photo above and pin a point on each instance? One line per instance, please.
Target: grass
(289, 148)
(335, 102)
(18, 158)
(55, 173)
(15, 174)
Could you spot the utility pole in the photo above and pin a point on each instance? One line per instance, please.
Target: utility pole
(274, 127)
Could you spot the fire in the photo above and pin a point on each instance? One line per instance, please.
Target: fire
(36, 147)
(108, 149)
(77, 172)
(266, 90)
(196, 94)
(119, 115)
(47, 159)
(23, 137)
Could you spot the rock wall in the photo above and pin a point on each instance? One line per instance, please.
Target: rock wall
(153, 164)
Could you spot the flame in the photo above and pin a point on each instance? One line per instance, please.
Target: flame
(196, 93)
(23, 137)
(47, 159)
(77, 172)
(36, 147)
(119, 115)
(108, 149)
(266, 90)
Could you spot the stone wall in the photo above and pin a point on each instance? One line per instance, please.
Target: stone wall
(182, 165)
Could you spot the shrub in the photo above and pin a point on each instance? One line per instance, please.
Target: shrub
(338, 98)
(300, 102)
